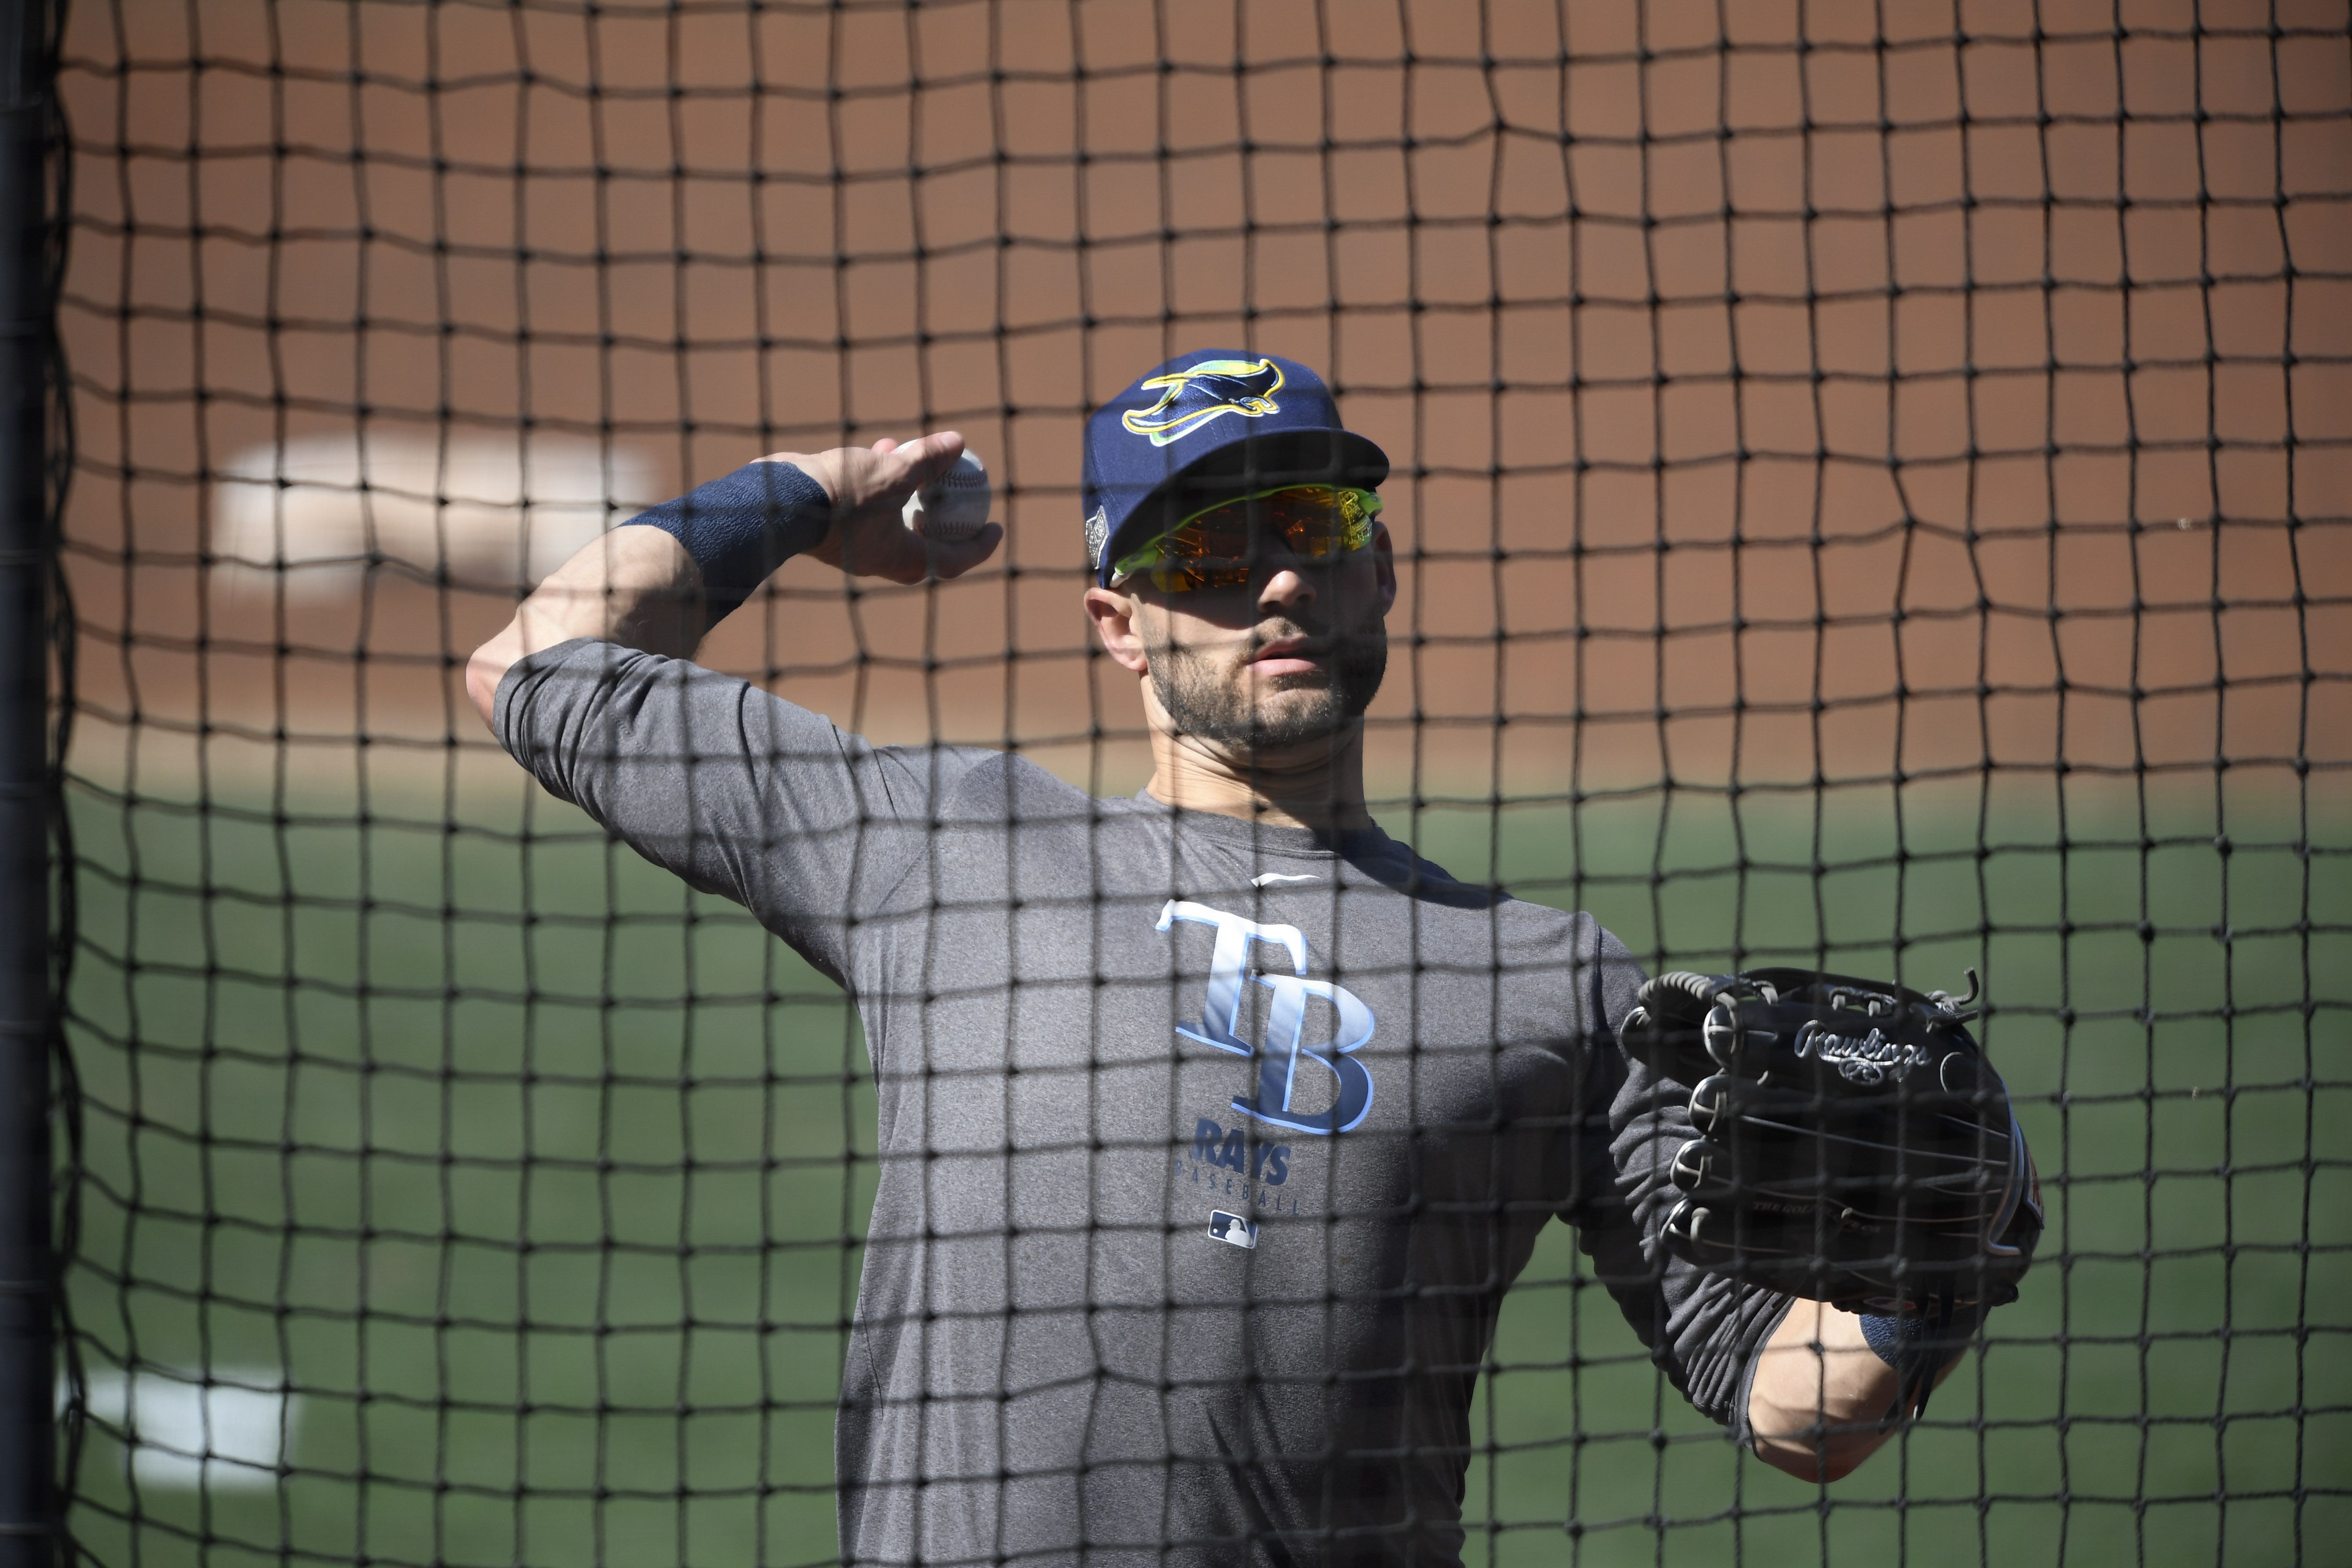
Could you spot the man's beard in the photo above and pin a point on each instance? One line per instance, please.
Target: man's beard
(1201, 705)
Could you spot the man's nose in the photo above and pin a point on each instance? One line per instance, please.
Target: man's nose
(1287, 588)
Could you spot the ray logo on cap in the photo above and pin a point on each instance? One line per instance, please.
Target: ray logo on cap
(1165, 447)
(1201, 392)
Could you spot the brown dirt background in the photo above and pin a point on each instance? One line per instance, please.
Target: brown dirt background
(1777, 391)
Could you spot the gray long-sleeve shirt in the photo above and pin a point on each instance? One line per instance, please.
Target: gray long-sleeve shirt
(1208, 1148)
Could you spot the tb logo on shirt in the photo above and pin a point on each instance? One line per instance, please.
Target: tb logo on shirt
(1286, 1045)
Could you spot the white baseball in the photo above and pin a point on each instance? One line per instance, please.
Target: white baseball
(953, 507)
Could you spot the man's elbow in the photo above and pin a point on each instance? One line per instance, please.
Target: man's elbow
(1835, 1467)
(1820, 1457)
(488, 668)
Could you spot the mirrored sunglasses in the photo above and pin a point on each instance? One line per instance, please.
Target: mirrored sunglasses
(1220, 545)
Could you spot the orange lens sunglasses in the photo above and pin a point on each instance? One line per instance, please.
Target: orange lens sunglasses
(1213, 548)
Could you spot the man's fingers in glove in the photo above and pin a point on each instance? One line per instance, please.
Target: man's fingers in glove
(1856, 1183)
(1667, 1025)
(1680, 996)
(1806, 1254)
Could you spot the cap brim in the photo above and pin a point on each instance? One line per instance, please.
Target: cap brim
(1245, 467)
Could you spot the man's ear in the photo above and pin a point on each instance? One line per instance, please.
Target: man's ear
(1384, 564)
(1114, 616)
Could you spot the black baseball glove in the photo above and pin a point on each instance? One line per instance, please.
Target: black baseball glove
(1854, 1147)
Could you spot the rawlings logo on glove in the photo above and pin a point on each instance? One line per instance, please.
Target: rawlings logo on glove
(1866, 1061)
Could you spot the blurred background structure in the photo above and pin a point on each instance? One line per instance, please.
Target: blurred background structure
(1873, 487)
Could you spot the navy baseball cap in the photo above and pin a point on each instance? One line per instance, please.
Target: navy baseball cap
(1208, 423)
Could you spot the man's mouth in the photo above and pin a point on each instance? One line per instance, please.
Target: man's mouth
(1291, 656)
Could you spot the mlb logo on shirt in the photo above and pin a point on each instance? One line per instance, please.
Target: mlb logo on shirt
(1231, 1227)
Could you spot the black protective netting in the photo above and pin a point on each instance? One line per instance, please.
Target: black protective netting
(1871, 488)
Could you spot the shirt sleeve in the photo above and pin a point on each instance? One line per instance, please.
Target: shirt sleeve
(737, 791)
(1703, 1329)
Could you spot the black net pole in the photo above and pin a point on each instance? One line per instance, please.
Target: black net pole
(28, 1514)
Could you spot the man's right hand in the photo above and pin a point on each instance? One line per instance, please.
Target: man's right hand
(638, 586)
(870, 487)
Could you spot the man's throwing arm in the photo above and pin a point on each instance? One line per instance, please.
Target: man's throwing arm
(738, 792)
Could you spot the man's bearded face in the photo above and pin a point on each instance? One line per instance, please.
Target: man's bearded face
(1254, 669)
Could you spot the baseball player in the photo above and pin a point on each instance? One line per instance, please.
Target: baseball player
(1213, 1123)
